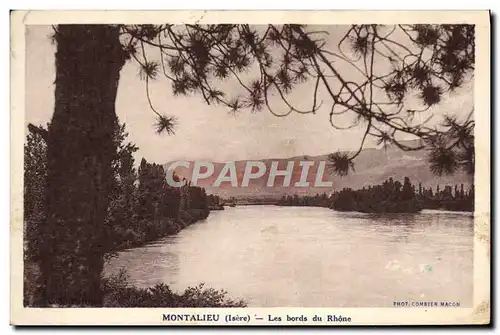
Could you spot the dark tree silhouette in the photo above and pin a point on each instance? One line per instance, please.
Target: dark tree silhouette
(80, 150)
(35, 171)
(429, 60)
(407, 192)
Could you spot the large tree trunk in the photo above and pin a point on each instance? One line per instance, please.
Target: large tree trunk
(80, 151)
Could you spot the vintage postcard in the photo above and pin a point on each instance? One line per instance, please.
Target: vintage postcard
(250, 168)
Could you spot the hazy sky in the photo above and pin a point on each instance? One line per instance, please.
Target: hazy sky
(204, 132)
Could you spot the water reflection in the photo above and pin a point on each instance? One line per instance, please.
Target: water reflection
(286, 256)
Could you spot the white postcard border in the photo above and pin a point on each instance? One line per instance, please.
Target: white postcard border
(479, 314)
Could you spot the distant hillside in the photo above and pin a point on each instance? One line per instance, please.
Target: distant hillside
(372, 166)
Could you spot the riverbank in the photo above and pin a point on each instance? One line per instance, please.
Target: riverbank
(216, 208)
(450, 206)
(117, 292)
(165, 227)
(159, 229)
(389, 197)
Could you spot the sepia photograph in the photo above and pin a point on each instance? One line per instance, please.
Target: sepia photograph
(208, 172)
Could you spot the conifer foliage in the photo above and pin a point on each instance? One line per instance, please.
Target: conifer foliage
(371, 73)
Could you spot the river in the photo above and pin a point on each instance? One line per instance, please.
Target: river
(274, 256)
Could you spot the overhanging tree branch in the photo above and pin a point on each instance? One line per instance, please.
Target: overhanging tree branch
(391, 63)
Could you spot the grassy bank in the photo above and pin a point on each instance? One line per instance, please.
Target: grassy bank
(117, 292)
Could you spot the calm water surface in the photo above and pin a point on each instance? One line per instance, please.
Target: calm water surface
(274, 256)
